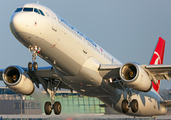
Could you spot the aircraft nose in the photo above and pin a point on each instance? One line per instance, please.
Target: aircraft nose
(15, 23)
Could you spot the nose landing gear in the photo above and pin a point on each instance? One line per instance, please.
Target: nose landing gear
(35, 50)
(34, 66)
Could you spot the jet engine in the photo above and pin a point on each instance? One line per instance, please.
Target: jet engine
(135, 77)
(18, 80)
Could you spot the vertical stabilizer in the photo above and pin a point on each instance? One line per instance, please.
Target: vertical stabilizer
(157, 59)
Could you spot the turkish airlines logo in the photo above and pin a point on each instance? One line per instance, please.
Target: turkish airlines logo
(157, 58)
(156, 61)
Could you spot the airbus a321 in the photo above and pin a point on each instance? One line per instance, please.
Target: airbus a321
(78, 63)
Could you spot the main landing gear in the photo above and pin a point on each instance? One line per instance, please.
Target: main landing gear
(35, 50)
(125, 103)
(49, 106)
(133, 104)
(56, 107)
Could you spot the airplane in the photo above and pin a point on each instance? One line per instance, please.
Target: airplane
(78, 63)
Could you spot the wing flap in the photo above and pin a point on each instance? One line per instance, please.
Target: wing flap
(43, 74)
(158, 68)
(109, 67)
(109, 71)
(159, 71)
(166, 103)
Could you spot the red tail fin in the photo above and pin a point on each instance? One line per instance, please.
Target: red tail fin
(157, 58)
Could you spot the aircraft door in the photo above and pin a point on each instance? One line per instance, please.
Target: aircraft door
(54, 22)
(85, 49)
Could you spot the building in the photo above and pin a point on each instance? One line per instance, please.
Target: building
(13, 106)
(10, 102)
(13, 103)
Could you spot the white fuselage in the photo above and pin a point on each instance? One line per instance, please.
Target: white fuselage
(67, 49)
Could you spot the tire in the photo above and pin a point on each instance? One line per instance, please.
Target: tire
(29, 66)
(47, 108)
(35, 66)
(134, 106)
(125, 106)
(57, 108)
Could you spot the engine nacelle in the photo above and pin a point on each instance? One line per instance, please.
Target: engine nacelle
(135, 77)
(17, 80)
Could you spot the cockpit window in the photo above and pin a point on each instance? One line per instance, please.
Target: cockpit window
(41, 12)
(28, 9)
(36, 10)
(18, 9)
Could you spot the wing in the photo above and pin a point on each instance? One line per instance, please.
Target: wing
(1, 71)
(45, 75)
(155, 72)
(166, 103)
(111, 74)
(109, 71)
(158, 72)
(48, 77)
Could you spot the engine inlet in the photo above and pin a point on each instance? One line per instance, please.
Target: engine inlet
(11, 75)
(129, 71)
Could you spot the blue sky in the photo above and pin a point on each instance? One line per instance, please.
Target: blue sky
(128, 30)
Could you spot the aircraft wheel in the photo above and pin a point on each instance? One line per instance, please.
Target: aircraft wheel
(35, 66)
(29, 66)
(134, 105)
(47, 108)
(57, 108)
(125, 106)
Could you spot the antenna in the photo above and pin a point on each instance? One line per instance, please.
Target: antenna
(37, 2)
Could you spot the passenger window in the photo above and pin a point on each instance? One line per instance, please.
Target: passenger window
(28, 9)
(18, 9)
(36, 10)
(41, 12)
